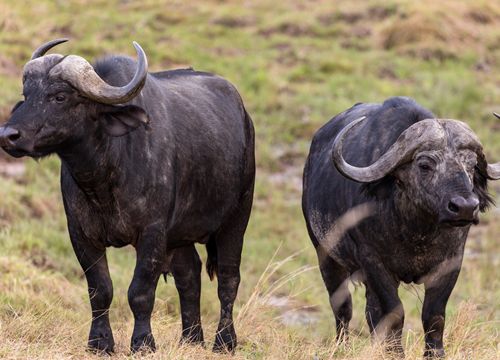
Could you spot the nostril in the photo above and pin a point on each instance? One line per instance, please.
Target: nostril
(8, 136)
(463, 207)
(15, 136)
(453, 207)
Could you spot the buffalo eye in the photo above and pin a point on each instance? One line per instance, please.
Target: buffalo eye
(426, 164)
(60, 98)
(425, 167)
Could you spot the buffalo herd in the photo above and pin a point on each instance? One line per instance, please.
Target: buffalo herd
(164, 160)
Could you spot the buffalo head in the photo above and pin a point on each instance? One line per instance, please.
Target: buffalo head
(437, 164)
(64, 99)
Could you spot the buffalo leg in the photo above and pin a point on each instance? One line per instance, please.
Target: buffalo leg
(229, 243)
(100, 287)
(141, 293)
(336, 280)
(390, 325)
(228, 274)
(186, 268)
(373, 310)
(437, 293)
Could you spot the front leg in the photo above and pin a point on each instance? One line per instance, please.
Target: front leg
(100, 287)
(438, 288)
(373, 311)
(384, 306)
(151, 257)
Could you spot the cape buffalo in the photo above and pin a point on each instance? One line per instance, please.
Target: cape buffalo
(159, 161)
(390, 193)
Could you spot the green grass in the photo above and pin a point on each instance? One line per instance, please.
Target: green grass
(296, 65)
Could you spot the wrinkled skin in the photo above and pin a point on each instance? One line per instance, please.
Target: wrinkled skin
(410, 226)
(171, 168)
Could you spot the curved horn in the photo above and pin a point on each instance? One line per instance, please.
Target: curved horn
(493, 171)
(427, 133)
(46, 47)
(78, 72)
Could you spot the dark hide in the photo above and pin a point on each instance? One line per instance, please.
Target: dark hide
(381, 230)
(171, 168)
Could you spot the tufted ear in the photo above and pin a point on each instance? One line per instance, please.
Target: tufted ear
(119, 120)
(481, 183)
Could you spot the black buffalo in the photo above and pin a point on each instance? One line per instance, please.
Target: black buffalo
(390, 193)
(159, 161)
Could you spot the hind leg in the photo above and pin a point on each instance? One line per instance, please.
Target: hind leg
(336, 281)
(229, 243)
(186, 269)
(228, 274)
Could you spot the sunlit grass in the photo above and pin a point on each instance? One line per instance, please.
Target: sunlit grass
(296, 65)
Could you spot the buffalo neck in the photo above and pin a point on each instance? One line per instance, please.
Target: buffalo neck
(93, 162)
(408, 220)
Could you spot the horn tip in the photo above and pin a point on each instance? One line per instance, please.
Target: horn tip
(40, 51)
(140, 53)
(136, 45)
(58, 41)
(497, 115)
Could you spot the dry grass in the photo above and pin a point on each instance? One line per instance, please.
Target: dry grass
(50, 325)
(296, 64)
(455, 25)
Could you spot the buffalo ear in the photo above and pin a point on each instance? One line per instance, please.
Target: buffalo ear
(481, 184)
(122, 119)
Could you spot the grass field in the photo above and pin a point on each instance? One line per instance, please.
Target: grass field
(296, 64)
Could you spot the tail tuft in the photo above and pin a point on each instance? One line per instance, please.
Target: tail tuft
(211, 258)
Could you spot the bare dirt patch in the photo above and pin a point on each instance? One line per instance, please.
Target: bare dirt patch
(290, 29)
(234, 21)
(14, 169)
(292, 312)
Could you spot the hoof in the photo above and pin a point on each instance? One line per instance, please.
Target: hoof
(225, 341)
(434, 353)
(143, 343)
(395, 351)
(192, 335)
(101, 342)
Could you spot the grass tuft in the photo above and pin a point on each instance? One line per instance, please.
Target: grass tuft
(296, 64)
